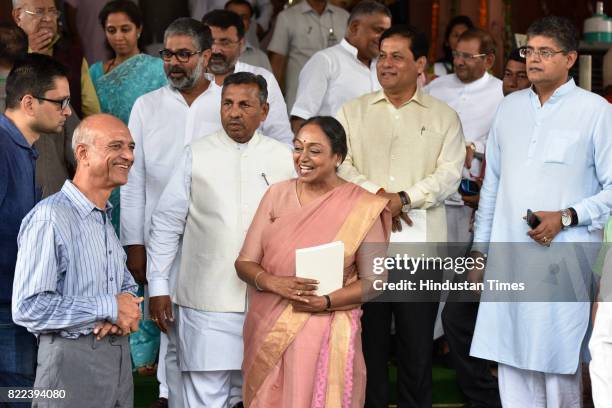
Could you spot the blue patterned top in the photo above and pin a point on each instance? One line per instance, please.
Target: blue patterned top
(70, 266)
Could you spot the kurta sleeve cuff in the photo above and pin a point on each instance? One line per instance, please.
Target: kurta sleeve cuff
(301, 113)
(371, 187)
(107, 308)
(417, 198)
(158, 287)
(585, 218)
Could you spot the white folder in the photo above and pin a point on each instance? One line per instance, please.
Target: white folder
(324, 263)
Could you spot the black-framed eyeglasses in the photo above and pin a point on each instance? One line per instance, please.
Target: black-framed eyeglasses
(544, 53)
(181, 55)
(63, 103)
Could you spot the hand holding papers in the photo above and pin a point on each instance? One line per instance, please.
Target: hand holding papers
(324, 263)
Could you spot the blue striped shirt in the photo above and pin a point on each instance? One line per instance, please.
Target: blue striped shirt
(70, 266)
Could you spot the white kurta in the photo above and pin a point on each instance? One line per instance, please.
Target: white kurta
(541, 157)
(475, 103)
(205, 212)
(330, 78)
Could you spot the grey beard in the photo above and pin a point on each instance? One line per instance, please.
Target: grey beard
(188, 81)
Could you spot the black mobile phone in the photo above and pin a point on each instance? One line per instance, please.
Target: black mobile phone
(468, 187)
(532, 220)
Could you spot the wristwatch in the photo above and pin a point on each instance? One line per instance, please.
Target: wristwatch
(566, 218)
(405, 201)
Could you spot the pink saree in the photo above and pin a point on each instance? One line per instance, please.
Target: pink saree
(303, 360)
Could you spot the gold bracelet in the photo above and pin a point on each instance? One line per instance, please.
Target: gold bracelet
(256, 285)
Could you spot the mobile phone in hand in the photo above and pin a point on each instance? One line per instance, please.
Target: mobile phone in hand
(532, 220)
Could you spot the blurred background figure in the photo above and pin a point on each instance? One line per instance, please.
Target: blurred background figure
(250, 54)
(39, 20)
(456, 26)
(300, 31)
(515, 73)
(261, 16)
(82, 21)
(13, 45)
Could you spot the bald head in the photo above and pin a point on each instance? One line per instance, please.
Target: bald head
(104, 150)
(95, 125)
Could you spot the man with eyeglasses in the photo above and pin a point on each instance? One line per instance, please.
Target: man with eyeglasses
(474, 94)
(549, 150)
(37, 96)
(39, 20)
(162, 123)
(228, 39)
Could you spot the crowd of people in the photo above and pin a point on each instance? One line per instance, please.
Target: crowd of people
(152, 207)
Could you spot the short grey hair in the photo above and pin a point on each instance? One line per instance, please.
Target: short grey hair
(366, 8)
(200, 33)
(83, 134)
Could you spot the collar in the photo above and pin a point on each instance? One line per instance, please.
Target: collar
(350, 48)
(228, 141)
(480, 82)
(419, 97)
(559, 93)
(305, 8)
(15, 134)
(83, 205)
(175, 93)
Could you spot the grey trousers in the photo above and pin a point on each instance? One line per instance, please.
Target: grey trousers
(93, 373)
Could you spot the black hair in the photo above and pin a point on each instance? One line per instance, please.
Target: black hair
(515, 55)
(334, 131)
(13, 43)
(34, 75)
(224, 19)
(121, 6)
(366, 8)
(448, 52)
(487, 43)
(560, 29)
(193, 28)
(419, 45)
(241, 3)
(248, 78)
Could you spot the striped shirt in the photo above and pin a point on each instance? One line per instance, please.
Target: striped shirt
(70, 266)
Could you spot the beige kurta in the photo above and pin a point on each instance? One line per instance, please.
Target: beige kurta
(418, 148)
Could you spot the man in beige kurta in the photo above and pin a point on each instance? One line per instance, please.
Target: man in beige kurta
(407, 146)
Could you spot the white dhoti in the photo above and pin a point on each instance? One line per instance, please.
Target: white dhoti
(172, 373)
(600, 346)
(520, 388)
(210, 355)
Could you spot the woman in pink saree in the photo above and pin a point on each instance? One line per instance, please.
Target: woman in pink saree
(303, 350)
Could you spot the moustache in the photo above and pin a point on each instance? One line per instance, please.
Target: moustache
(218, 57)
(177, 70)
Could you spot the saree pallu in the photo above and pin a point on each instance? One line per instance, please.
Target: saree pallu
(301, 359)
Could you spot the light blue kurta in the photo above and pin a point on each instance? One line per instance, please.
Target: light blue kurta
(544, 158)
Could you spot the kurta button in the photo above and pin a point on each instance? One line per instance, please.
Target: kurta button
(110, 252)
(111, 279)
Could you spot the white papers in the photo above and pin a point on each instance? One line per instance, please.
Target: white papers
(324, 263)
(416, 233)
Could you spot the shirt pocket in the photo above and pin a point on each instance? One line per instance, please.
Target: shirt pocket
(561, 146)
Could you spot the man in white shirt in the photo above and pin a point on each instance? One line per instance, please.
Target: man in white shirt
(228, 39)
(162, 123)
(474, 94)
(345, 71)
(300, 31)
(249, 54)
(204, 214)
